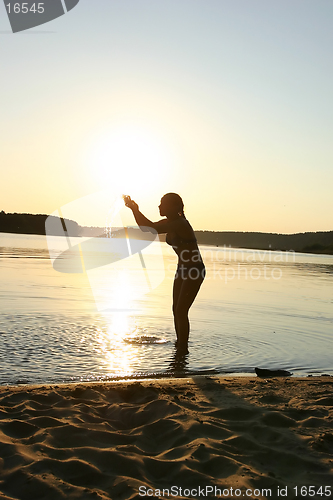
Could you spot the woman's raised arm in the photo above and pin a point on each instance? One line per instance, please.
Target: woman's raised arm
(162, 226)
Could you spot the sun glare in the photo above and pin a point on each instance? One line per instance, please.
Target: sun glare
(130, 158)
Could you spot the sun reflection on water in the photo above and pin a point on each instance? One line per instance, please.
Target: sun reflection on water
(121, 324)
(118, 291)
(117, 356)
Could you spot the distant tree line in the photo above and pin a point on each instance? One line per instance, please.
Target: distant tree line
(35, 224)
(320, 242)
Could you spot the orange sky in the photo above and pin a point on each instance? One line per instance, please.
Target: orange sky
(226, 103)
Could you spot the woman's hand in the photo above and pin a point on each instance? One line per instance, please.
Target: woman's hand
(130, 203)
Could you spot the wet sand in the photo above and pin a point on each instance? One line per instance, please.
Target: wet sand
(125, 440)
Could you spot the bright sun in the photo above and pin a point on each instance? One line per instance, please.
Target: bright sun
(131, 158)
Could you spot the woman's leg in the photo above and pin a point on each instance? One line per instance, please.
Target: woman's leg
(185, 291)
(177, 286)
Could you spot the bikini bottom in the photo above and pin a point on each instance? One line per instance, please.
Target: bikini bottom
(194, 271)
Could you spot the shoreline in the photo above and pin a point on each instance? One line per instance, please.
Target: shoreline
(107, 439)
(239, 377)
(165, 377)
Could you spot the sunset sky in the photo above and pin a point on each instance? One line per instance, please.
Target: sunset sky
(226, 102)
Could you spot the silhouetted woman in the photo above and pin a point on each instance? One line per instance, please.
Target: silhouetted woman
(190, 271)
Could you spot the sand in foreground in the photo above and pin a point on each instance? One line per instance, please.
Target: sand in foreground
(107, 440)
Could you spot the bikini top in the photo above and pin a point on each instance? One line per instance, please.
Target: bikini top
(175, 240)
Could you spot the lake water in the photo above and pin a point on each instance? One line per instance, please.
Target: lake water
(266, 309)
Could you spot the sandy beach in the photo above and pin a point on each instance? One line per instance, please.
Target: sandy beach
(216, 437)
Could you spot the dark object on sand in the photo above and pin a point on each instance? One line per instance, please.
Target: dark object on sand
(261, 372)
